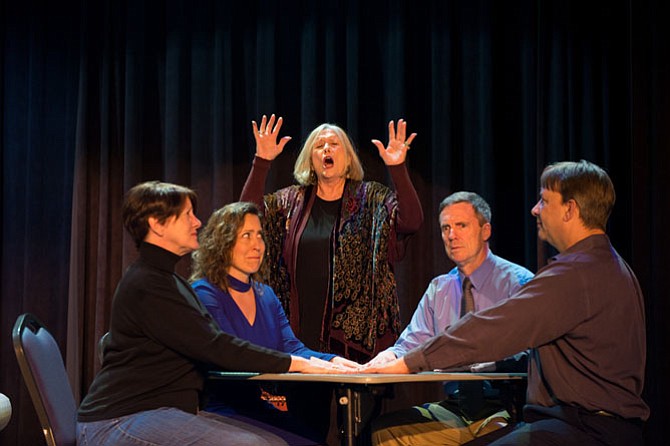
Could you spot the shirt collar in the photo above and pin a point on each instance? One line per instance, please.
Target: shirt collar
(479, 276)
(585, 244)
(156, 256)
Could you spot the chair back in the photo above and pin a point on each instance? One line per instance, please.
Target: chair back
(43, 371)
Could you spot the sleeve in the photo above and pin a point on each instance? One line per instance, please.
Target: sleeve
(422, 326)
(517, 363)
(514, 364)
(173, 317)
(535, 315)
(291, 344)
(255, 185)
(410, 212)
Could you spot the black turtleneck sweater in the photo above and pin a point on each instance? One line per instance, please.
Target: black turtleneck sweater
(161, 341)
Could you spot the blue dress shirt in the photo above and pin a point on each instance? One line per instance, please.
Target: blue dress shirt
(494, 281)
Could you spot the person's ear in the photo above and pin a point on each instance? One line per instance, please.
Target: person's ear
(156, 226)
(486, 231)
(571, 210)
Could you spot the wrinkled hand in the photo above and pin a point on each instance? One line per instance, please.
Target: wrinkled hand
(395, 366)
(396, 150)
(266, 137)
(483, 367)
(344, 362)
(382, 358)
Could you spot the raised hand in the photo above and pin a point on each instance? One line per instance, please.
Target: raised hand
(396, 150)
(266, 137)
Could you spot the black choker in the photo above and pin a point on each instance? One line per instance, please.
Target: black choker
(238, 285)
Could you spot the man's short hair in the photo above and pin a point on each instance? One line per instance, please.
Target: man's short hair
(153, 199)
(481, 207)
(587, 184)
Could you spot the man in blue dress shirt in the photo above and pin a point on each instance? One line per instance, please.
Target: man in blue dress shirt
(465, 225)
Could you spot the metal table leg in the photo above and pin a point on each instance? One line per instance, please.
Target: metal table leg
(357, 406)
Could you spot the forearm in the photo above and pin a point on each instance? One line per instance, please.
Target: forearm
(410, 212)
(255, 185)
(514, 363)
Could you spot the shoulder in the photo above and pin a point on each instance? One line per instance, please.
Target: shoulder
(142, 288)
(513, 271)
(142, 276)
(203, 285)
(444, 281)
(369, 194)
(290, 192)
(285, 198)
(264, 292)
(205, 290)
(266, 296)
(373, 187)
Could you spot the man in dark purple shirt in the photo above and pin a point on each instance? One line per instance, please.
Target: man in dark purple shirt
(582, 316)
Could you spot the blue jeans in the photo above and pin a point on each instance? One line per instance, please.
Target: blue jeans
(170, 426)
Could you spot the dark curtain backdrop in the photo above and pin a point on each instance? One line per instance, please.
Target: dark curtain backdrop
(98, 96)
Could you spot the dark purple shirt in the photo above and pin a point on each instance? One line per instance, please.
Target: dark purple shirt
(583, 316)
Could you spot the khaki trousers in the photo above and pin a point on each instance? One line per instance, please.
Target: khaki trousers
(432, 424)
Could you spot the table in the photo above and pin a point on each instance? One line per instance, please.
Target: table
(358, 395)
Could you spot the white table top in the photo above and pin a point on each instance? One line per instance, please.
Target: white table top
(365, 378)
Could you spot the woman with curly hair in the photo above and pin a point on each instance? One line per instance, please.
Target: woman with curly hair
(227, 279)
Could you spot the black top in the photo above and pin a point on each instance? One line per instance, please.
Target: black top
(313, 269)
(161, 341)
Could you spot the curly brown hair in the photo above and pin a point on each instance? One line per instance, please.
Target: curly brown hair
(215, 255)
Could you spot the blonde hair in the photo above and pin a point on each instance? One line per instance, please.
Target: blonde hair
(303, 171)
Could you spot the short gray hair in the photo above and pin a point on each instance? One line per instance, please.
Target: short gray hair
(481, 207)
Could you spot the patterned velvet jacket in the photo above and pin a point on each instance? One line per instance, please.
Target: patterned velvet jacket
(373, 228)
(363, 314)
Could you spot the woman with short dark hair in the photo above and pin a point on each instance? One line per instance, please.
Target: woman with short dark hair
(161, 340)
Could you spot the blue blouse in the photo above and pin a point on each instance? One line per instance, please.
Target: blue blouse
(271, 328)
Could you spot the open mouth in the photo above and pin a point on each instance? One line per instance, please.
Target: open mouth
(328, 161)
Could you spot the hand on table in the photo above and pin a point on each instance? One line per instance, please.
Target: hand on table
(316, 365)
(382, 358)
(395, 366)
(344, 362)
